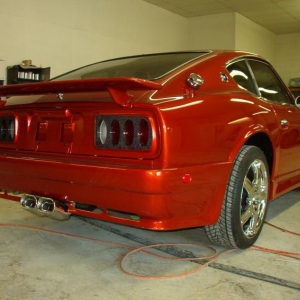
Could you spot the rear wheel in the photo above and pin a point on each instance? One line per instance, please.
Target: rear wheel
(245, 202)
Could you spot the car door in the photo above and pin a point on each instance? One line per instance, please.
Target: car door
(272, 89)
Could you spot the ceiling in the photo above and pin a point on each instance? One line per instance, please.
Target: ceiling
(279, 16)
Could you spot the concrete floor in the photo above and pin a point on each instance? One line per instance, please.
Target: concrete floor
(35, 264)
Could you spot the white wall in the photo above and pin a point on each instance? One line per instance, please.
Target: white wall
(230, 31)
(288, 56)
(252, 37)
(212, 32)
(66, 34)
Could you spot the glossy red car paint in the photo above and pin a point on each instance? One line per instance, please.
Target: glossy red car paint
(180, 180)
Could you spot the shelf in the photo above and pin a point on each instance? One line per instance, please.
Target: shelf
(26, 74)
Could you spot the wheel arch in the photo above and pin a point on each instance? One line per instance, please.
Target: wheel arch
(262, 141)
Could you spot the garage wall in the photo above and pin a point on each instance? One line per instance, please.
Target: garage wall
(66, 34)
(288, 56)
(212, 32)
(231, 31)
(252, 37)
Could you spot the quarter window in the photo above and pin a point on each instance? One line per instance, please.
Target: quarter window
(239, 71)
(269, 85)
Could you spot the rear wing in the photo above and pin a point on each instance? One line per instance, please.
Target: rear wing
(117, 87)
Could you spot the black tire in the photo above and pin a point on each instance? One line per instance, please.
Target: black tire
(245, 202)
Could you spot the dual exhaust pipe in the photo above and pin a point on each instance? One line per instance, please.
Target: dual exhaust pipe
(43, 206)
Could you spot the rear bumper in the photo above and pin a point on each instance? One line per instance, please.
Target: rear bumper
(157, 199)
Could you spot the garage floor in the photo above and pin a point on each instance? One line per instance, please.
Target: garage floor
(41, 258)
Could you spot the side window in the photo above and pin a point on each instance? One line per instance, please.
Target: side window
(240, 73)
(269, 85)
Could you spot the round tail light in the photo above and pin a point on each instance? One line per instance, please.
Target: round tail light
(103, 132)
(115, 132)
(143, 133)
(128, 132)
(11, 129)
(3, 129)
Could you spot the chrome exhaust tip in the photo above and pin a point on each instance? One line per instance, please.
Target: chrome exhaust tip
(43, 207)
(29, 202)
(47, 206)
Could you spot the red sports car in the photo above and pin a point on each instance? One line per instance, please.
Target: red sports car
(160, 141)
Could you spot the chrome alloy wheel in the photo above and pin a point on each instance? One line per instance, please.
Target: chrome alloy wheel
(254, 198)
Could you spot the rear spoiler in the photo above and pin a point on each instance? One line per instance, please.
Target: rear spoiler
(117, 87)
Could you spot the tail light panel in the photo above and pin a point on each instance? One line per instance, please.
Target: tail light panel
(7, 129)
(124, 132)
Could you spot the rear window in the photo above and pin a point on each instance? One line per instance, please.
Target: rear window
(148, 67)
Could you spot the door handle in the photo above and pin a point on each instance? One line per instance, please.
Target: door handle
(284, 122)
